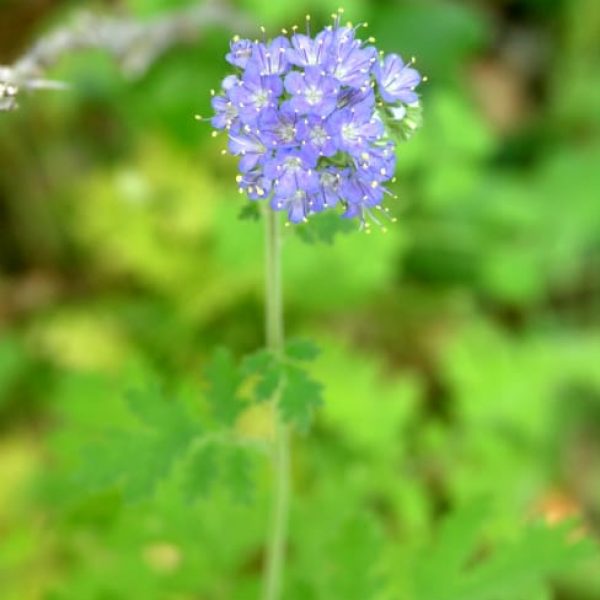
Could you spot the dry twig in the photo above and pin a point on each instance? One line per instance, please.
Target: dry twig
(134, 44)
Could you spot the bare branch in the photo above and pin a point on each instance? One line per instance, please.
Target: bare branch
(134, 44)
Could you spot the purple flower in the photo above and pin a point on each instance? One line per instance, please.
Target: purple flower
(270, 59)
(361, 194)
(294, 178)
(378, 163)
(355, 130)
(311, 120)
(255, 184)
(306, 52)
(249, 147)
(226, 112)
(278, 128)
(396, 80)
(311, 91)
(315, 136)
(350, 63)
(360, 99)
(295, 203)
(331, 182)
(290, 170)
(240, 52)
(255, 93)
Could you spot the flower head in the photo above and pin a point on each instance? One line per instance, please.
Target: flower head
(311, 119)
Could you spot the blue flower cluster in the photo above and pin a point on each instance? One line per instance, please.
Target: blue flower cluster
(308, 117)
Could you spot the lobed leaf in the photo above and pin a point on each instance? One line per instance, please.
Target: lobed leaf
(138, 459)
(301, 349)
(299, 397)
(201, 471)
(324, 228)
(223, 378)
(454, 568)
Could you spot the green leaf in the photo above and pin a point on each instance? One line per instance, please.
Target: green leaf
(300, 349)
(299, 397)
(268, 383)
(457, 539)
(137, 459)
(448, 570)
(201, 471)
(324, 228)
(267, 372)
(223, 379)
(148, 405)
(355, 552)
(250, 212)
(237, 473)
(215, 462)
(543, 551)
(255, 363)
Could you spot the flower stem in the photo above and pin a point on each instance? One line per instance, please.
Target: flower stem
(274, 301)
(275, 558)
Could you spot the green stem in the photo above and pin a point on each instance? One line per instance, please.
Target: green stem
(274, 300)
(275, 558)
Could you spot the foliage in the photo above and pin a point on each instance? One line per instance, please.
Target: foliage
(511, 570)
(324, 228)
(458, 352)
(11, 363)
(163, 435)
(286, 381)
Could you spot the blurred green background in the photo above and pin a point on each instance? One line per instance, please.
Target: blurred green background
(460, 350)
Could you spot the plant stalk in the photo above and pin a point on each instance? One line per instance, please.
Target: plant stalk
(275, 558)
